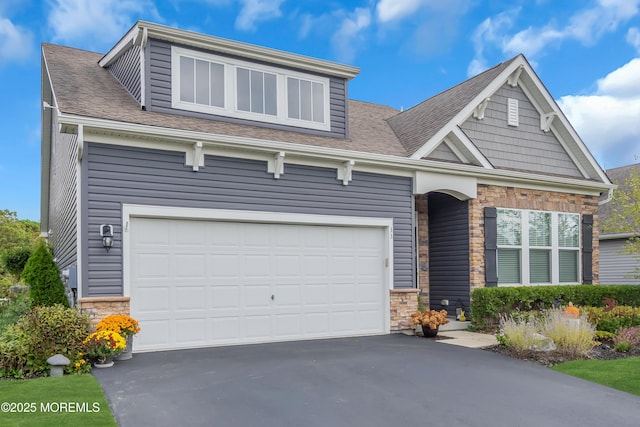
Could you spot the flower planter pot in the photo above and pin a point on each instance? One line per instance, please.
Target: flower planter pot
(429, 333)
(127, 353)
(106, 364)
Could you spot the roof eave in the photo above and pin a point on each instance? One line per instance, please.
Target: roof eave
(245, 50)
(69, 122)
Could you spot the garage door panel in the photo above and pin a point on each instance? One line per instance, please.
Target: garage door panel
(190, 298)
(256, 266)
(190, 330)
(150, 265)
(222, 265)
(152, 298)
(189, 233)
(189, 265)
(217, 281)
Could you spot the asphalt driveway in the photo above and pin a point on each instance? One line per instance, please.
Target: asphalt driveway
(391, 380)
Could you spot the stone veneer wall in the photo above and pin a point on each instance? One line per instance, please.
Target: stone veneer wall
(403, 302)
(422, 209)
(520, 198)
(100, 307)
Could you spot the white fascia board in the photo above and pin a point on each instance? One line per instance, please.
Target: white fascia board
(158, 136)
(467, 112)
(231, 47)
(616, 236)
(46, 119)
(128, 40)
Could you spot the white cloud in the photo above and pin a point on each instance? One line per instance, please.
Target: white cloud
(94, 24)
(607, 120)
(348, 34)
(487, 34)
(392, 10)
(257, 10)
(16, 43)
(585, 26)
(633, 38)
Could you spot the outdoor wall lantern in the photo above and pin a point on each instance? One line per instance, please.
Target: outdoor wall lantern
(106, 232)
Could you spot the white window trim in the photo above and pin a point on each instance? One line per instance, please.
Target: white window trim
(525, 247)
(230, 109)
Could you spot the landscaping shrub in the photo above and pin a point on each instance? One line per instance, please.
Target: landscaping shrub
(487, 304)
(627, 338)
(5, 284)
(13, 309)
(38, 335)
(43, 277)
(612, 319)
(14, 260)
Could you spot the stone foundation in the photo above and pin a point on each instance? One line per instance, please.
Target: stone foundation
(403, 302)
(100, 307)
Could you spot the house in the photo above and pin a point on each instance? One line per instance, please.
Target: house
(226, 193)
(616, 267)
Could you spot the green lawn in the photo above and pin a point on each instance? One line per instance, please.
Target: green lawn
(621, 374)
(71, 400)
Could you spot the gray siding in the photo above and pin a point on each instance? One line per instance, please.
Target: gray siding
(617, 268)
(62, 197)
(443, 152)
(448, 252)
(525, 147)
(159, 95)
(117, 175)
(127, 71)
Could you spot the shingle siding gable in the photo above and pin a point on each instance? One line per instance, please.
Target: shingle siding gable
(524, 147)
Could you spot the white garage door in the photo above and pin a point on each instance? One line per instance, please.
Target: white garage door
(204, 283)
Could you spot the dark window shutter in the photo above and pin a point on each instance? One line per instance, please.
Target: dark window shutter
(490, 247)
(587, 249)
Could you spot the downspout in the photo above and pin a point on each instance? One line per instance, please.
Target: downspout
(79, 222)
(143, 43)
(608, 199)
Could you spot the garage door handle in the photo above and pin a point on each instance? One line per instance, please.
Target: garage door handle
(273, 297)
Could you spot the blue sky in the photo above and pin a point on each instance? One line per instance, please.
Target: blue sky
(587, 53)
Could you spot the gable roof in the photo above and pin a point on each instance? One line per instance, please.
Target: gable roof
(417, 125)
(422, 128)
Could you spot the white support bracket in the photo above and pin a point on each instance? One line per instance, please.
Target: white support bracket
(345, 172)
(195, 157)
(276, 165)
(546, 120)
(478, 112)
(514, 77)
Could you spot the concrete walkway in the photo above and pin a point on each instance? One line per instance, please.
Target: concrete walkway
(467, 339)
(388, 380)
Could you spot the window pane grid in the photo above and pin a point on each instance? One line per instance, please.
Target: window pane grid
(305, 100)
(201, 82)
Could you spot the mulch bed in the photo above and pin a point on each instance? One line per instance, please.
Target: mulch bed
(603, 351)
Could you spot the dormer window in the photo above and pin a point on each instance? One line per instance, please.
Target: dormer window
(224, 86)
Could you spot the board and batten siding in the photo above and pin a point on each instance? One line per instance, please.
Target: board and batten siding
(449, 272)
(158, 76)
(617, 268)
(124, 175)
(62, 197)
(524, 147)
(127, 71)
